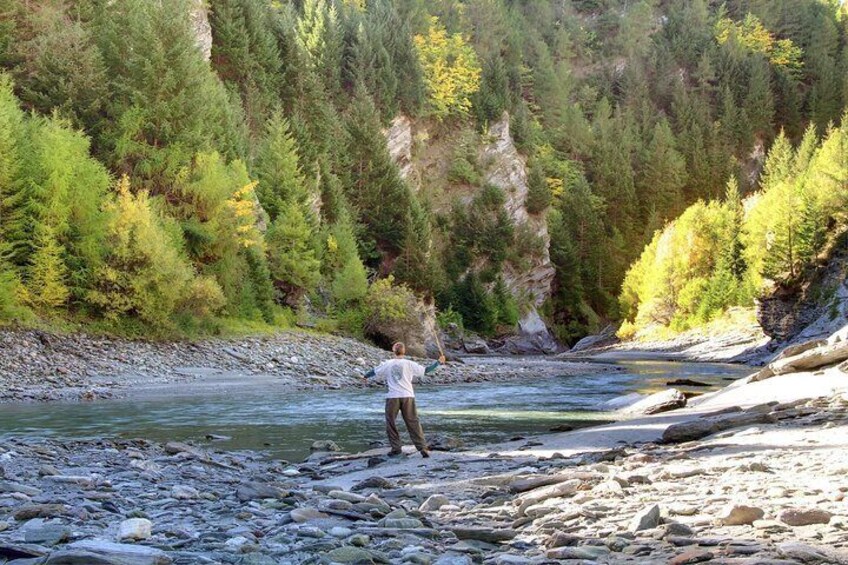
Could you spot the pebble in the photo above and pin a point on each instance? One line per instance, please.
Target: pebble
(647, 519)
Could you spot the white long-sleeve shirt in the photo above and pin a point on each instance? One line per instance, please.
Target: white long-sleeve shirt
(399, 374)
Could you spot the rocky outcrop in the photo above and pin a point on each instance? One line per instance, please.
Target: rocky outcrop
(811, 309)
(808, 356)
(506, 169)
(659, 402)
(202, 29)
(399, 142)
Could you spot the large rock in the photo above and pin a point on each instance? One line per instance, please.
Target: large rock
(659, 402)
(804, 516)
(122, 553)
(603, 339)
(325, 445)
(647, 519)
(812, 356)
(702, 427)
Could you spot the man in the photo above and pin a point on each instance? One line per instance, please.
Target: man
(399, 373)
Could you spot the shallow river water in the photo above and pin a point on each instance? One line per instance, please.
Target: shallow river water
(285, 423)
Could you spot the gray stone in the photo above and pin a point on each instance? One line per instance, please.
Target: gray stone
(350, 554)
(325, 445)
(659, 402)
(646, 519)
(125, 554)
(259, 491)
(590, 553)
(75, 557)
(401, 523)
(484, 534)
(453, 559)
(182, 492)
(135, 529)
(435, 502)
(46, 534)
(9, 487)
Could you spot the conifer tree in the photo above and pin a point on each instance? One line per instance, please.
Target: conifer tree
(291, 257)
(663, 176)
(277, 168)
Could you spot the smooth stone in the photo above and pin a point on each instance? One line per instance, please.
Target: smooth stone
(359, 540)
(401, 523)
(340, 532)
(453, 559)
(9, 487)
(351, 497)
(259, 491)
(647, 519)
(135, 529)
(74, 557)
(305, 514)
(123, 553)
(591, 553)
(740, 515)
(691, 556)
(484, 534)
(46, 534)
(30, 511)
(804, 516)
(350, 554)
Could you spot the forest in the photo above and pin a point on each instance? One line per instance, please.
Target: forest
(150, 188)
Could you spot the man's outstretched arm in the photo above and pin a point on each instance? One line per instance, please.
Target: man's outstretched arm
(430, 368)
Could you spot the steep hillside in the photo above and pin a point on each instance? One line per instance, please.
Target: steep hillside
(353, 164)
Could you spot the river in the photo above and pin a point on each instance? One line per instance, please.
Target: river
(285, 423)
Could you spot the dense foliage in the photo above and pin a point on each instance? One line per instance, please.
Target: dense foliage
(725, 253)
(149, 188)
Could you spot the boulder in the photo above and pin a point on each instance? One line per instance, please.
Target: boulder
(807, 357)
(647, 519)
(606, 338)
(475, 345)
(659, 402)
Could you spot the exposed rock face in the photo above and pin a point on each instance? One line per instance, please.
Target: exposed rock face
(399, 141)
(811, 310)
(506, 169)
(202, 29)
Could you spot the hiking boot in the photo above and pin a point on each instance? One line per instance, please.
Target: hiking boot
(395, 453)
(425, 454)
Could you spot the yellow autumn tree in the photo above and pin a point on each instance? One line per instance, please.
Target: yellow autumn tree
(751, 34)
(451, 70)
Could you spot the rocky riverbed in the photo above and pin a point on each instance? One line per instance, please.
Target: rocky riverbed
(772, 493)
(40, 366)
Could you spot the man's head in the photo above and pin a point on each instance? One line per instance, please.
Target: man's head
(399, 349)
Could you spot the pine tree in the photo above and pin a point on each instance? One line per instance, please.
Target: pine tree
(759, 103)
(291, 257)
(374, 187)
(663, 176)
(46, 274)
(277, 168)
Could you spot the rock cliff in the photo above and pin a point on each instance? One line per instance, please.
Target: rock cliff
(202, 28)
(506, 168)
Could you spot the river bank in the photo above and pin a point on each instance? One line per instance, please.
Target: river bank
(752, 474)
(40, 366)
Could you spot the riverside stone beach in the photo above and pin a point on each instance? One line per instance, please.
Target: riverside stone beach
(753, 472)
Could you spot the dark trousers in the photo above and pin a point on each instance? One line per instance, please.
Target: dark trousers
(406, 407)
